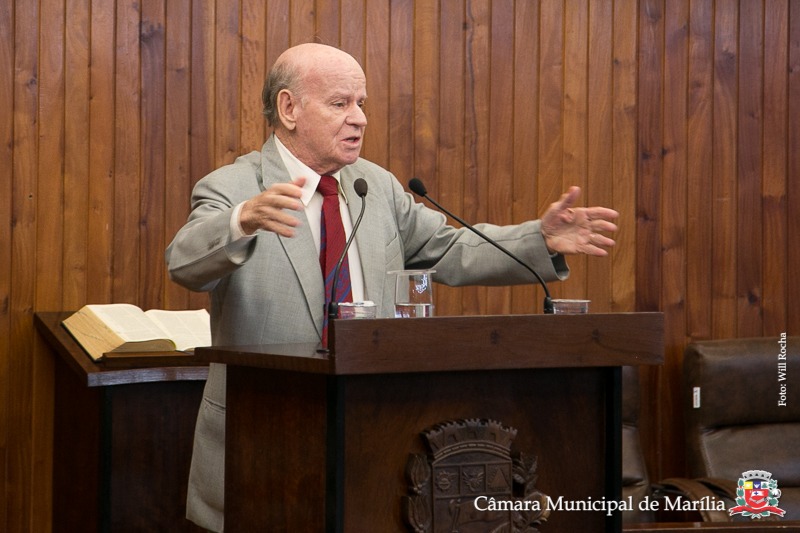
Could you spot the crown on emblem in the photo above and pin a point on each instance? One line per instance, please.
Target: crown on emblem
(450, 437)
(756, 474)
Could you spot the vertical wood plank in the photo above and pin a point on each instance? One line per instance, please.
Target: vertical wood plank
(648, 216)
(500, 193)
(153, 151)
(375, 65)
(723, 247)
(699, 167)
(7, 150)
(50, 251)
(673, 226)
(477, 98)
(76, 153)
(127, 155)
(528, 298)
(792, 292)
(277, 28)
(625, 109)
(253, 75)
(750, 134)
(177, 126)
(775, 272)
(352, 29)
(327, 20)
(24, 199)
(410, 155)
(102, 140)
(574, 166)
(450, 142)
(600, 146)
(301, 21)
(227, 68)
(551, 110)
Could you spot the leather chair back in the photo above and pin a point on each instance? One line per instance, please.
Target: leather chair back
(734, 420)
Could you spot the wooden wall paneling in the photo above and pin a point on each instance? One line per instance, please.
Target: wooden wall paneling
(76, 153)
(410, 133)
(575, 108)
(476, 131)
(49, 254)
(277, 32)
(327, 15)
(202, 118)
(749, 169)
(600, 147)
(375, 64)
(152, 43)
(24, 198)
(301, 21)
(551, 111)
(723, 245)
(625, 151)
(127, 155)
(792, 291)
(7, 149)
(526, 298)
(648, 203)
(253, 73)
(451, 85)
(500, 140)
(650, 158)
(101, 142)
(700, 130)
(352, 29)
(227, 72)
(775, 274)
(203, 96)
(674, 212)
(177, 126)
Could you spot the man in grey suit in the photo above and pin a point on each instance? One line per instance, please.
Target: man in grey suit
(253, 236)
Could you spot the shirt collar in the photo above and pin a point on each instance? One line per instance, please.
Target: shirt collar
(297, 169)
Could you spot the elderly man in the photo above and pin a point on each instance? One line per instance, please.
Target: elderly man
(254, 235)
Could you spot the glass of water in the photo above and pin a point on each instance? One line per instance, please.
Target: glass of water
(413, 296)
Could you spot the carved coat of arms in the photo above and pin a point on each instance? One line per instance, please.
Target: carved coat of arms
(471, 483)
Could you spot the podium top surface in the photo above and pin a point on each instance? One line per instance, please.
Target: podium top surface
(443, 344)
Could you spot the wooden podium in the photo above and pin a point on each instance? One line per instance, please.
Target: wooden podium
(122, 437)
(344, 441)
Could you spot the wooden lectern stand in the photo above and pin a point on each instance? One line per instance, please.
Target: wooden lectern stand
(323, 441)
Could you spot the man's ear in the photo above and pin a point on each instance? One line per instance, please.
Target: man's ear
(288, 106)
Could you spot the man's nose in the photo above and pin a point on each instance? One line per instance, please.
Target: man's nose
(357, 117)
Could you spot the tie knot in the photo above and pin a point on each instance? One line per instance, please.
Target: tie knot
(328, 186)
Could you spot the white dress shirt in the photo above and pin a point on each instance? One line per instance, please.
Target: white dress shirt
(312, 202)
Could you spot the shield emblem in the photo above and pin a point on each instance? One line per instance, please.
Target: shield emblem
(756, 494)
(470, 459)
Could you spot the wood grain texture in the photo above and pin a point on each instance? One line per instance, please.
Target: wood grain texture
(684, 116)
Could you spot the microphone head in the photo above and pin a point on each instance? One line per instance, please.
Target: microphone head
(361, 187)
(417, 187)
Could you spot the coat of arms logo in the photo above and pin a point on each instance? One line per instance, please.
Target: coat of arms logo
(471, 459)
(757, 495)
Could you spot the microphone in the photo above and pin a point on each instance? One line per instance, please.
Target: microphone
(360, 186)
(418, 188)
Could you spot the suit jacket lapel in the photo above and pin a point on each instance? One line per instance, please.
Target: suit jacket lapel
(371, 247)
(300, 249)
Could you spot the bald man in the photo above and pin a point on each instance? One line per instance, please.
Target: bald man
(253, 237)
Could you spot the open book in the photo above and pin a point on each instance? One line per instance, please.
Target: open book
(124, 330)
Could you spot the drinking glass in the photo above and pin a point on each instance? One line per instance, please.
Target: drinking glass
(413, 296)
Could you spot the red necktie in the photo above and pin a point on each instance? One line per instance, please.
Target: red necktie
(332, 241)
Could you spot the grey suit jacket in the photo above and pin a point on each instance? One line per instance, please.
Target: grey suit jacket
(276, 293)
